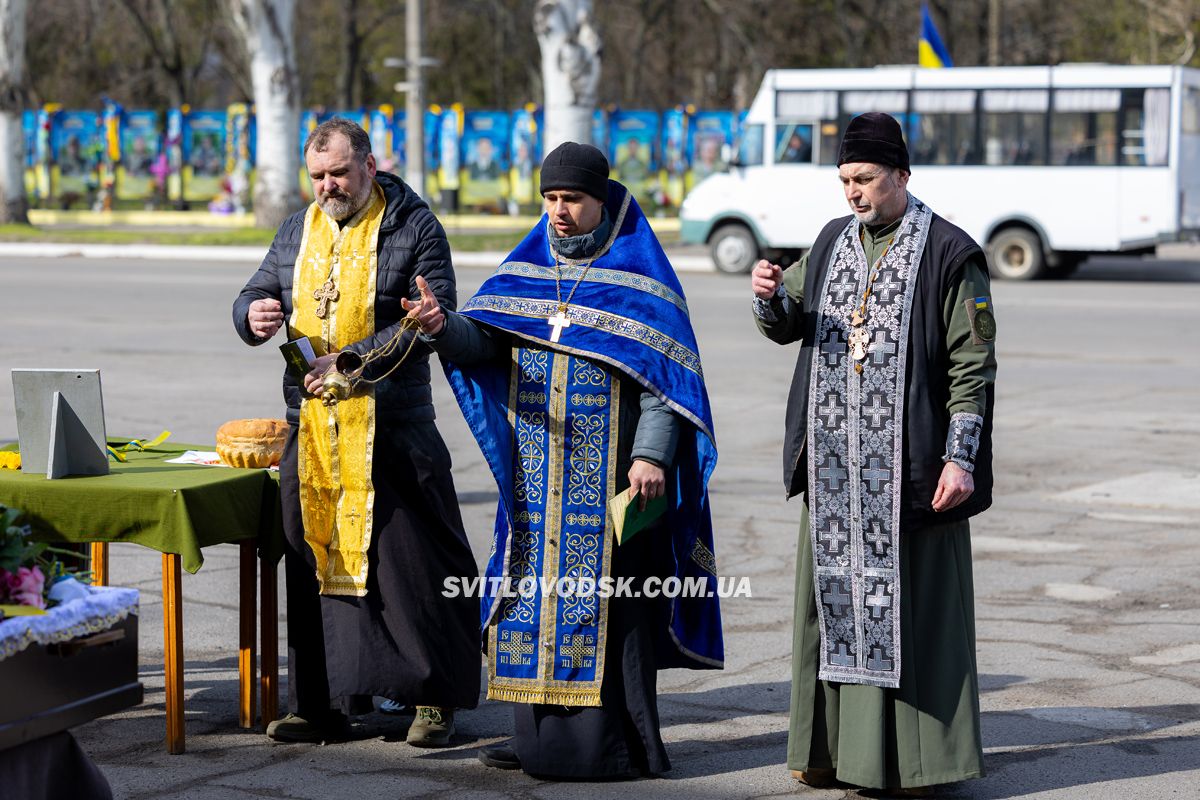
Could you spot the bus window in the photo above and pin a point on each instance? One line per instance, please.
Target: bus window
(943, 128)
(805, 105)
(831, 141)
(750, 147)
(1145, 126)
(1014, 126)
(889, 101)
(1083, 130)
(793, 143)
(1191, 110)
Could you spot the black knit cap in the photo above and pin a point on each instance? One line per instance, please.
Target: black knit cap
(874, 138)
(576, 166)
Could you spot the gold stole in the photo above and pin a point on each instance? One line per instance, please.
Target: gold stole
(336, 443)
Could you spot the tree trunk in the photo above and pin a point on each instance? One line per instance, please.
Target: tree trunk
(13, 90)
(571, 49)
(266, 27)
(348, 74)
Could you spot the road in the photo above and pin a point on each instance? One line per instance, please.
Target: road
(1086, 567)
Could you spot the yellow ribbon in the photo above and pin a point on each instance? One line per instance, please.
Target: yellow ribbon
(137, 444)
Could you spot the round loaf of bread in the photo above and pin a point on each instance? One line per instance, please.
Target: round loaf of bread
(254, 443)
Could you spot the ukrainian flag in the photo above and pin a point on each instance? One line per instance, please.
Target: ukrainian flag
(931, 51)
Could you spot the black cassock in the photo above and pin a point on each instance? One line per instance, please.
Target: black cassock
(621, 738)
(404, 640)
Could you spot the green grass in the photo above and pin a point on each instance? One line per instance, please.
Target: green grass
(231, 236)
(467, 242)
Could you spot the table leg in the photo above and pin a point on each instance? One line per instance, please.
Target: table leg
(173, 644)
(99, 565)
(270, 643)
(247, 620)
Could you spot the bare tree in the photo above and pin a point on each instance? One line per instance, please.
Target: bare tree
(179, 36)
(571, 49)
(1172, 22)
(13, 91)
(361, 20)
(266, 28)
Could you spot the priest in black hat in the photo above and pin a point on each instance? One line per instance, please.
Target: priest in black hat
(888, 436)
(576, 368)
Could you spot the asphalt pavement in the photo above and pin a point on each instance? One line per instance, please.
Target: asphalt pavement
(1086, 567)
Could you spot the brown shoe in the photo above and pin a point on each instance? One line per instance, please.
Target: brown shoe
(816, 777)
(432, 727)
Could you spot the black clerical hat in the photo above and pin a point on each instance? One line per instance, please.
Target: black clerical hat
(874, 138)
(576, 166)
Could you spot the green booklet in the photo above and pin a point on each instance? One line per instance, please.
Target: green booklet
(628, 519)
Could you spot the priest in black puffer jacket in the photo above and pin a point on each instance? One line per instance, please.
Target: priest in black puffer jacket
(370, 512)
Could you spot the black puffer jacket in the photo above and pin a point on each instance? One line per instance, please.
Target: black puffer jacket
(411, 242)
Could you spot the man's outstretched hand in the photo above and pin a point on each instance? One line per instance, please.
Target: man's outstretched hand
(425, 311)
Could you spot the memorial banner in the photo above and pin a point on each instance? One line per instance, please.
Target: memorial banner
(76, 149)
(29, 133)
(203, 151)
(631, 147)
(525, 157)
(142, 168)
(484, 153)
(449, 137)
(709, 134)
(433, 121)
(675, 152)
(383, 138)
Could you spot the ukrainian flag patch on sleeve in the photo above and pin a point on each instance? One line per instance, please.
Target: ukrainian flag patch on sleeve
(983, 323)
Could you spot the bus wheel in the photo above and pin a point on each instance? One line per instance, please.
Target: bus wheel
(733, 249)
(1016, 255)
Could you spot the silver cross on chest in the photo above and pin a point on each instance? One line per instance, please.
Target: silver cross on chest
(558, 322)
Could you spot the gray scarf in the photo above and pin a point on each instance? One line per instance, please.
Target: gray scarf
(584, 245)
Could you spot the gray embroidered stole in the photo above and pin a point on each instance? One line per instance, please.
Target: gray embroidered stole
(855, 454)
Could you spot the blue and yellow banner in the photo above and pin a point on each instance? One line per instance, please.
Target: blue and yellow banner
(484, 166)
(931, 52)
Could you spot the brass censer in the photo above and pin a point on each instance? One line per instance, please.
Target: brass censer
(345, 375)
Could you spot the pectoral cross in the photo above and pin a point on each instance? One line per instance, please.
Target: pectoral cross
(558, 322)
(858, 343)
(324, 295)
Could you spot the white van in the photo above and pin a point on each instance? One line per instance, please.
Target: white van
(1042, 165)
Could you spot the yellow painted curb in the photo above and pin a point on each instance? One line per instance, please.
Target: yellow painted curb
(99, 219)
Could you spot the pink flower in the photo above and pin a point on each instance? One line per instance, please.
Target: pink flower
(25, 588)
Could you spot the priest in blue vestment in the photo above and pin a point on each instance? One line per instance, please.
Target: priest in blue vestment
(577, 370)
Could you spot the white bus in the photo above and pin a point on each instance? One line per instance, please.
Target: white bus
(1041, 165)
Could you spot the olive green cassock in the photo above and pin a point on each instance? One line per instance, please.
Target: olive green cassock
(925, 732)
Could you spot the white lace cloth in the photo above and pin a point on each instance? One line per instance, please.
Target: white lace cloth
(104, 607)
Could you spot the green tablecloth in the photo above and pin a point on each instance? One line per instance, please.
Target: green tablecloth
(172, 508)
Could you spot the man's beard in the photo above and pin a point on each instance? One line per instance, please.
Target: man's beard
(870, 217)
(342, 207)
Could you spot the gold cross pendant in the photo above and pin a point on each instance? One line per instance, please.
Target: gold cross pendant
(328, 292)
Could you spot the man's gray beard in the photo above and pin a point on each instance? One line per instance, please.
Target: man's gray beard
(869, 217)
(340, 210)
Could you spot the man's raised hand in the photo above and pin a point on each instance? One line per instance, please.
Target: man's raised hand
(765, 279)
(425, 311)
(265, 318)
